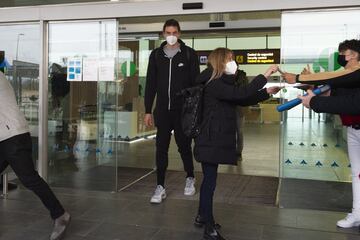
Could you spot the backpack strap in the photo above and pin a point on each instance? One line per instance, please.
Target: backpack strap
(208, 81)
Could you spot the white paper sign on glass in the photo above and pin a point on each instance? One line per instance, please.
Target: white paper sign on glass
(90, 69)
(74, 69)
(106, 69)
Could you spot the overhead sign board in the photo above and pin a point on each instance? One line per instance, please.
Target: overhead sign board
(257, 56)
(250, 56)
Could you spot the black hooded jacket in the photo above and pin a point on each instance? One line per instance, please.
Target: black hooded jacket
(216, 142)
(342, 101)
(168, 76)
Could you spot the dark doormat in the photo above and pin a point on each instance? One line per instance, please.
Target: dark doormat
(231, 188)
(312, 194)
(99, 178)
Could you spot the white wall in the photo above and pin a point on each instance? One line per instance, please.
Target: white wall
(152, 8)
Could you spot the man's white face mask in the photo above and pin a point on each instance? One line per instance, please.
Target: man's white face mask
(171, 39)
(231, 68)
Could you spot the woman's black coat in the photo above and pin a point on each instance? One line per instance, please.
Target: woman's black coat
(217, 140)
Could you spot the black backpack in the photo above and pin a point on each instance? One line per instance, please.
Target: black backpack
(191, 114)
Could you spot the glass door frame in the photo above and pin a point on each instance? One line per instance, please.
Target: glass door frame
(43, 100)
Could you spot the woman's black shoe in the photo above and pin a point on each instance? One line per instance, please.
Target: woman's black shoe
(211, 233)
(200, 223)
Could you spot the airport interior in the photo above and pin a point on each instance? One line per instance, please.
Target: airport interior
(78, 69)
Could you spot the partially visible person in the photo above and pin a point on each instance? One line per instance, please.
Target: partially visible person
(172, 67)
(240, 80)
(16, 151)
(216, 143)
(343, 99)
(346, 78)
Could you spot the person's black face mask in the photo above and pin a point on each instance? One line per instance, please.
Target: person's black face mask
(341, 60)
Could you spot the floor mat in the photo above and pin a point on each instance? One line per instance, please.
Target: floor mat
(231, 188)
(319, 195)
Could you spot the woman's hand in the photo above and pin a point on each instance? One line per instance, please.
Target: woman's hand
(273, 90)
(272, 69)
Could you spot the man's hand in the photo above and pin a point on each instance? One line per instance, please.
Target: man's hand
(289, 77)
(306, 99)
(306, 70)
(148, 120)
(326, 94)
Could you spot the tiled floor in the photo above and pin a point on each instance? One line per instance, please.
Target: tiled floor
(128, 215)
(106, 216)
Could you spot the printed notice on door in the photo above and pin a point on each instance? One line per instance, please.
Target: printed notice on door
(90, 69)
(106, 69)
(74, 69)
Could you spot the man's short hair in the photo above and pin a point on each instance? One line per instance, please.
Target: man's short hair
(353, 44)
(171, 23)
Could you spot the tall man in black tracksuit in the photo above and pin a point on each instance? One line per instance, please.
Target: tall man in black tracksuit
(172, 67)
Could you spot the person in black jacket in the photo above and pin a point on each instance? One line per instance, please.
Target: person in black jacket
(172, 67)
(216, 143)
(343, 99)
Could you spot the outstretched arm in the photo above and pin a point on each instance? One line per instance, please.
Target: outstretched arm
(344, 104)
(259, 96)
(348, 78)
(236, 93)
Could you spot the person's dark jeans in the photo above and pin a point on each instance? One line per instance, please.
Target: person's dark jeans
(165, 123)
(17, 152)
(207, 190)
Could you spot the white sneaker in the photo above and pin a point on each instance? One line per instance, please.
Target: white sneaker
(351, 220)
(159, 194)
(189, 186)
(60, 226)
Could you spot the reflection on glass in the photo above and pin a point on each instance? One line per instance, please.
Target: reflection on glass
(20, 46)
(314, 145)
(82, 88)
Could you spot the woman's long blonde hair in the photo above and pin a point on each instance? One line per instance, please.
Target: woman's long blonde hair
(217, 61)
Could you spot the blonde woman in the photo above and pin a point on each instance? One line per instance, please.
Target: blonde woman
(216, 143)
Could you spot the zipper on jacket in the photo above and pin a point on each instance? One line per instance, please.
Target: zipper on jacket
(169, 91)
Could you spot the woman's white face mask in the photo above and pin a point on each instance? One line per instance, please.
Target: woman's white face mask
(231, 68)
